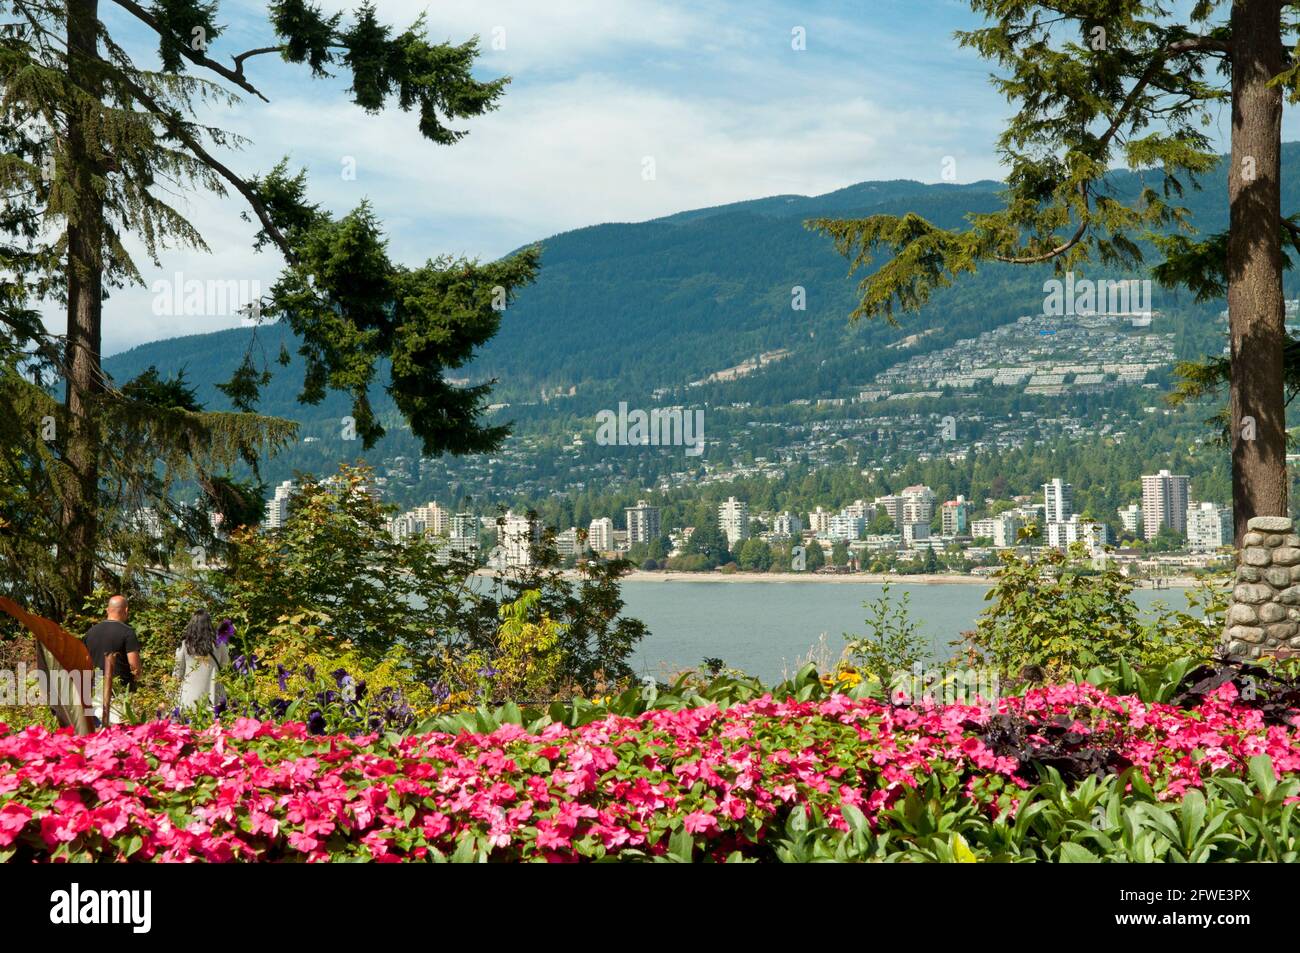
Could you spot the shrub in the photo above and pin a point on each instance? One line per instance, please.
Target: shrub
(894, 642)
(308, 676)
(525, 662)
(1057, 615)
(692, 562)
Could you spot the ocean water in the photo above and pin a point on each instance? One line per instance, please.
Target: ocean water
(771, 629)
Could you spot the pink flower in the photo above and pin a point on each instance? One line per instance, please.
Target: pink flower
(698, 822)
(435, 825)
(245, 729)
(550, 838)
(13, 818)
(303, 842)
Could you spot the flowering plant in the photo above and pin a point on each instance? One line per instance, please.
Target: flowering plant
(1064, 772)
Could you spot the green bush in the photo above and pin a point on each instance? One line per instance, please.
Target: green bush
(1063, 613)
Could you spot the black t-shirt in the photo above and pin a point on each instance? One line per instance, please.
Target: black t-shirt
(117, 637)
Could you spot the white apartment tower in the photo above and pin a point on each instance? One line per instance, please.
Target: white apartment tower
(819, 521)
(1164, 503)
(277, 508)
(733, 520)
(1130, 518)
(1209, 526)
(917, 505)
(1058, 501)
(786, 523)
(464, 533)
(600, 535)
(516, 534)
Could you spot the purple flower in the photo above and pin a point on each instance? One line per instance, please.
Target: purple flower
(282, 676)
(488, 672)
(316, 722)
(225, 631)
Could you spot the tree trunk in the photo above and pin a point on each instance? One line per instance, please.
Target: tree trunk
(1256, 315)
(82, 168)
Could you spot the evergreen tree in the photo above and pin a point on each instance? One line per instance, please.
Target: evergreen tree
(90, 138)
(1100, 83)
(710, 542)
(755, 555)
(814, 556)
(930, 562)
(881, 524)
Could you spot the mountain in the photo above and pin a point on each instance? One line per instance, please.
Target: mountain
(637, 311)
(626, 308)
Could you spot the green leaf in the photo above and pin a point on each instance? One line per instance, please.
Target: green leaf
(465, 852)
(1071, 853)
(961, 852)
(681, 846)
(1261, 772)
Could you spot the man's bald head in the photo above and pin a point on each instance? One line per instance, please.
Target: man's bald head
(117, 608)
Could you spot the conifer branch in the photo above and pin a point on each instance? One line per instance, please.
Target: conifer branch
(179, 130)
(1193, 44)
(235, 76)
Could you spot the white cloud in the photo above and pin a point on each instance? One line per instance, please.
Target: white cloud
(749, 119)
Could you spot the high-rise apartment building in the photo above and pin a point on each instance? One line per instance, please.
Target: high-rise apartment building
(955, 515)
(464, 533)
(600, 535)
(436, 520)
(277, 508)
(819, 521)
(1002, 529)
(516, 534)
(846, 528)
(568, 544)
(1058, 501)
(860, 508)
(917, 505)
(1130, 517)
(1209, 526)
(642, 523)
(892, 505)
(1164, 503)
(1092, 534)
(786, 524)
(733, 520)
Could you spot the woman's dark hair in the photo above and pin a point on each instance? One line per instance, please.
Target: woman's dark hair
(200, 637)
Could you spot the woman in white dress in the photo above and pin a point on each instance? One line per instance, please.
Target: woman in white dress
(199, 662)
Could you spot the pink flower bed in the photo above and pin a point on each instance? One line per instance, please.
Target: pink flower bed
(266, 791)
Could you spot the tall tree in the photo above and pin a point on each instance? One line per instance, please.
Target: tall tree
(96, 144)
(1103, 83)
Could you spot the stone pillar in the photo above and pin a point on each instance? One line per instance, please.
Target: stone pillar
(1264, 614)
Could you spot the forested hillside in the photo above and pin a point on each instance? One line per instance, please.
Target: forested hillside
(634, 312)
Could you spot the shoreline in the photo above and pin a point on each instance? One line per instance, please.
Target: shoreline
(868, 578)
(935, 579)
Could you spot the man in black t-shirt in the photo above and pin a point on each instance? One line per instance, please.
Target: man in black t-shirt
(113, 636)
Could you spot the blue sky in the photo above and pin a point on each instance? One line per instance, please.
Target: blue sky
(712, 91)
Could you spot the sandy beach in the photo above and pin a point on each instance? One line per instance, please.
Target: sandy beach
(935, 579)
(804, 577)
